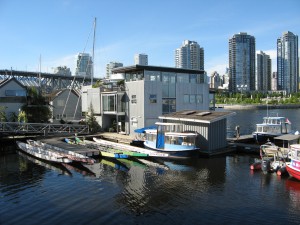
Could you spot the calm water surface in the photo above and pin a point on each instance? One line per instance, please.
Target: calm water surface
(219, 190)
(247, 119)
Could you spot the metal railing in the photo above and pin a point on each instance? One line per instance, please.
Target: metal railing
(42, 128)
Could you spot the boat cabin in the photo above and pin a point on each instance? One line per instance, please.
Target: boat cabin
(171, 134)
(295, 151)
(274, 126)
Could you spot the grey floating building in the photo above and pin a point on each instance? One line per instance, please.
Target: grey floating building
(210, 125)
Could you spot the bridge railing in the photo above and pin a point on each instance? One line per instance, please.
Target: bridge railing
(42, 128)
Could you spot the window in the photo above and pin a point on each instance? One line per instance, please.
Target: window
(199, 99)
(152, 75)
(153, 99)
(108, 103)
(193, 78)
(168, 105)
(192, 99)
(133, 99)
(186, 98)
(15, 93)
(182, 78)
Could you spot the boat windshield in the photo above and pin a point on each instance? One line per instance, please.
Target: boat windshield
(295, 151)
(170, 127)
(274, 128)
(181, 140)
(273, 120)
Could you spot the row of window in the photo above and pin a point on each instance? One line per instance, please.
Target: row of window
(165, 77)
(193, 99)
(13, 93)
(186, 99)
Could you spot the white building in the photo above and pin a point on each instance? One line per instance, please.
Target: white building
(108, 104)
(215, 80)
(141, 59)
(189, 56)
(84, 65)
(111, 66)
(62, 70)
(148, 93)
(153, 91)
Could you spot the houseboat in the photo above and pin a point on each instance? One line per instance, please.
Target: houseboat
(271, 127)
(293, 167)
(170, 138)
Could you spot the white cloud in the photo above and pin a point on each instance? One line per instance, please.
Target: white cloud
(68, 61)
(218, 64)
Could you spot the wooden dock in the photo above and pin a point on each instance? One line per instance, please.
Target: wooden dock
(244, 143)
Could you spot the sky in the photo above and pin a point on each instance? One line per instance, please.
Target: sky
(50, 33)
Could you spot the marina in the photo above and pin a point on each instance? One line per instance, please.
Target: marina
(154, 189)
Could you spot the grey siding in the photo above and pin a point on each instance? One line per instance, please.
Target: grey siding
(212, 136)
(194, 89)
(136, 112)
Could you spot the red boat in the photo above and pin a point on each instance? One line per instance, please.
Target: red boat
(293, 167)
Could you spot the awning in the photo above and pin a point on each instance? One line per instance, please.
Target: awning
(288, 137)
(142, 130)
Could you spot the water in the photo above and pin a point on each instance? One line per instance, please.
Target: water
(247, 119)
(219, 190)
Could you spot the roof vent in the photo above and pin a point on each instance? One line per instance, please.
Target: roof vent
(187, 112)
(203, 113)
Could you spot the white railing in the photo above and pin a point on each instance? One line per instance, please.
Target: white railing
(42, 128)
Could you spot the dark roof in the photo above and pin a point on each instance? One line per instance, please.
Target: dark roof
(56, 93)
(288, 137)
(155, 68)
(4, 82)
(201, 116)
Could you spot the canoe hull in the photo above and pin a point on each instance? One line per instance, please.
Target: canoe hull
(43, 153)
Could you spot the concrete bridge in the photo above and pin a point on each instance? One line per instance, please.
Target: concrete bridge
(12, 128)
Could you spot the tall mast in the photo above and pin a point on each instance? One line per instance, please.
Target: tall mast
(40, 70)
(92, 75)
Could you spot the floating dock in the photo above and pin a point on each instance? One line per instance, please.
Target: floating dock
(244, 143)
(81, 149)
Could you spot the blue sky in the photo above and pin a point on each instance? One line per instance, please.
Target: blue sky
(57, 30)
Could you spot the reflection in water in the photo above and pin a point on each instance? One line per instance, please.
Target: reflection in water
(18, 174)
(293, 187)
(219, 190)
(59, 168)
(147, 189)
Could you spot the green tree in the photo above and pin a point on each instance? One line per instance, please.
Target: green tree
(97, 84)
(36, 110)
(13, 117)
(22, 117)
(91, 120)
(3, 114)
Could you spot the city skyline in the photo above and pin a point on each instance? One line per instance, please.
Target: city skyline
(57, 31)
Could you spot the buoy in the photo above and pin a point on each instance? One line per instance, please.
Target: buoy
(255, 166)
(282, 171)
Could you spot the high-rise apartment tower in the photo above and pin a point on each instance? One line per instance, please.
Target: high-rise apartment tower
(241, 63)
(288, 63)
(189, 56)
(141, 59)
(84, 65)
(263, 72)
